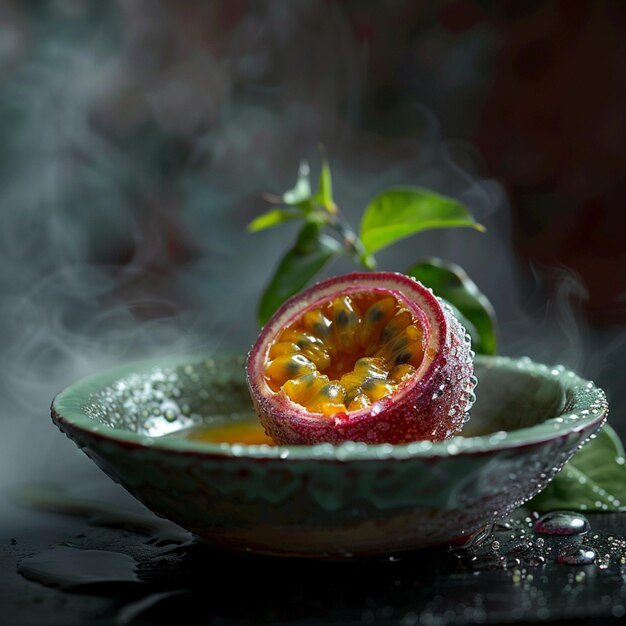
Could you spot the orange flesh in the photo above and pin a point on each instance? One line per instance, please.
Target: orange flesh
(346, 354)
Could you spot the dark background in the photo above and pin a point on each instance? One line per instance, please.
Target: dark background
(137, 139)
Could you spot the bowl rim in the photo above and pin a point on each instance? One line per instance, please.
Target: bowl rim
(587, 412)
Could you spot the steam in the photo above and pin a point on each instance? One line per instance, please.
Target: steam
(132, 161)
(552, 328)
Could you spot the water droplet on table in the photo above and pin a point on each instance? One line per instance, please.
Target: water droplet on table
(561, 523)
(66, 567)
(578, 556)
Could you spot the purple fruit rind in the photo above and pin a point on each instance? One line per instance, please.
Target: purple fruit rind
(432, 406)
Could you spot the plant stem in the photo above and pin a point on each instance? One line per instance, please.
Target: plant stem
(351, 241)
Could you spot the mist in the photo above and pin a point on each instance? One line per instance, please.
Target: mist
(137, 141)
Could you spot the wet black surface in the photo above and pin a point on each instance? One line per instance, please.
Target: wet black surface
(151, 573)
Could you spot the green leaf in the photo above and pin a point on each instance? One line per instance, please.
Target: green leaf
(593, 480)
(310, 253)
(272, 218)
(475, 312)
(302, 189)
(324, 195)
(403, 211)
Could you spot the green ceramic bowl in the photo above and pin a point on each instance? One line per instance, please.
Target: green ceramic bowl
(326, 501)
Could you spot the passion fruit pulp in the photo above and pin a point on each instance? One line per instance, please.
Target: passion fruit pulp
(371, 357)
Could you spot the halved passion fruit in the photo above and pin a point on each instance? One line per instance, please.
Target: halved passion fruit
(371, 357)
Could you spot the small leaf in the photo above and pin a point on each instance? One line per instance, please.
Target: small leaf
(593, 480)
(310, 253)
(403, 211)
(475, 312)
(272, 218)
(302, 189)
(324, 195)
